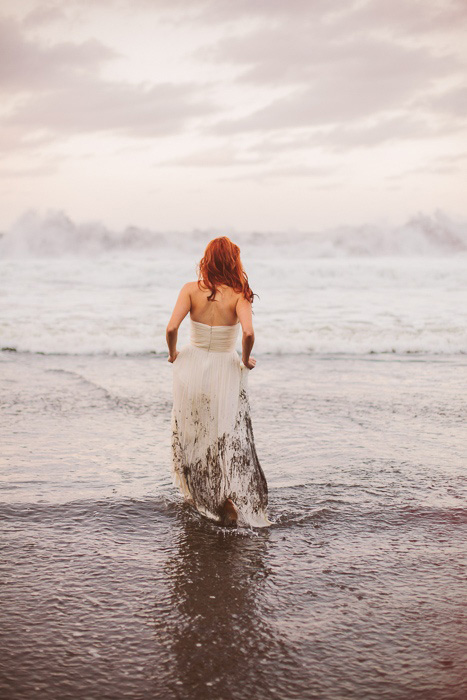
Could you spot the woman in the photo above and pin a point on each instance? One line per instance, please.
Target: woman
(214, 461)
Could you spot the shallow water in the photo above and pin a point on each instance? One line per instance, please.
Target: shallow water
(113, 588)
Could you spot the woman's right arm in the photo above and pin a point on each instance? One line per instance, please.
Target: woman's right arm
(182, 307)
(245, 317)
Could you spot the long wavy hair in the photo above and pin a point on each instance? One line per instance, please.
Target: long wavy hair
(221, 264)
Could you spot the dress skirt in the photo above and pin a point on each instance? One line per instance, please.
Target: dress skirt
(213, 450)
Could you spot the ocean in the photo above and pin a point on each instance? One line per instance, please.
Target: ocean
(113, 588)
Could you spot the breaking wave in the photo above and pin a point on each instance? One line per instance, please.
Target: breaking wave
(55, 234)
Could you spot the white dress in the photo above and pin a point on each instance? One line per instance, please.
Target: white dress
(213, 451)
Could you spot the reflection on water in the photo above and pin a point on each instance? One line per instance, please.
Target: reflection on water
(215, 628)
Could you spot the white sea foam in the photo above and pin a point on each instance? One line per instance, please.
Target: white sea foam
(56, 235)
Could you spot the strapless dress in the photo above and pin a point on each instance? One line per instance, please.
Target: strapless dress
(213, 450)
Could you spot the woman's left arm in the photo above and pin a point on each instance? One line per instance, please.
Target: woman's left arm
(181, 308)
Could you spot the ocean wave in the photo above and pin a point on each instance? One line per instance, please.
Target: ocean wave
(55, 234)
(274, 337)
(267, 346)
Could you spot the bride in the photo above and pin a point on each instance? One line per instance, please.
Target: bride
(214, 460)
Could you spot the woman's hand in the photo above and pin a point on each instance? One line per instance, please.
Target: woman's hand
(172, 358)
(249, 364)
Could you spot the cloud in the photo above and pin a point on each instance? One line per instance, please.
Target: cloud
(338, 139)
(332, 82)
(248, 162)
(288, 172)
(452, 102)
(270, 11)
(400, 17)
(326, 75)
(43, 169)
(94, 106)
(416, 17)
(401, 127)
(42, 15)
(224, 10)
(452, 158)
(26, 65)
(441, 165)
(220, 157)
(61, 93)
(340, 70)
(308, 53)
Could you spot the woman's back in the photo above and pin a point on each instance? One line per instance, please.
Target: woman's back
(214, 459)
(221, 311)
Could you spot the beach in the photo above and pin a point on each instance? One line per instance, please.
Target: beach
(310, 156)
(112, 587)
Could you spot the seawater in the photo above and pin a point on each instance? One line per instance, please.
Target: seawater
(118, 305)
(113, 588)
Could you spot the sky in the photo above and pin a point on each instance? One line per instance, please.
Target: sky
(249, 115)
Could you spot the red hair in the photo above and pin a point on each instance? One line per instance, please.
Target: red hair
(221, 264)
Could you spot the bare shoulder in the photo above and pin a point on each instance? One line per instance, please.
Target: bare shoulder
(190, 287)
(244, 314)
(241, 301)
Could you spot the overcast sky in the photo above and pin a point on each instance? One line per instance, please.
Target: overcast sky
(236, 114)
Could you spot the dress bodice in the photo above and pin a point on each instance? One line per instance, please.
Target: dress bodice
(213, 338)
